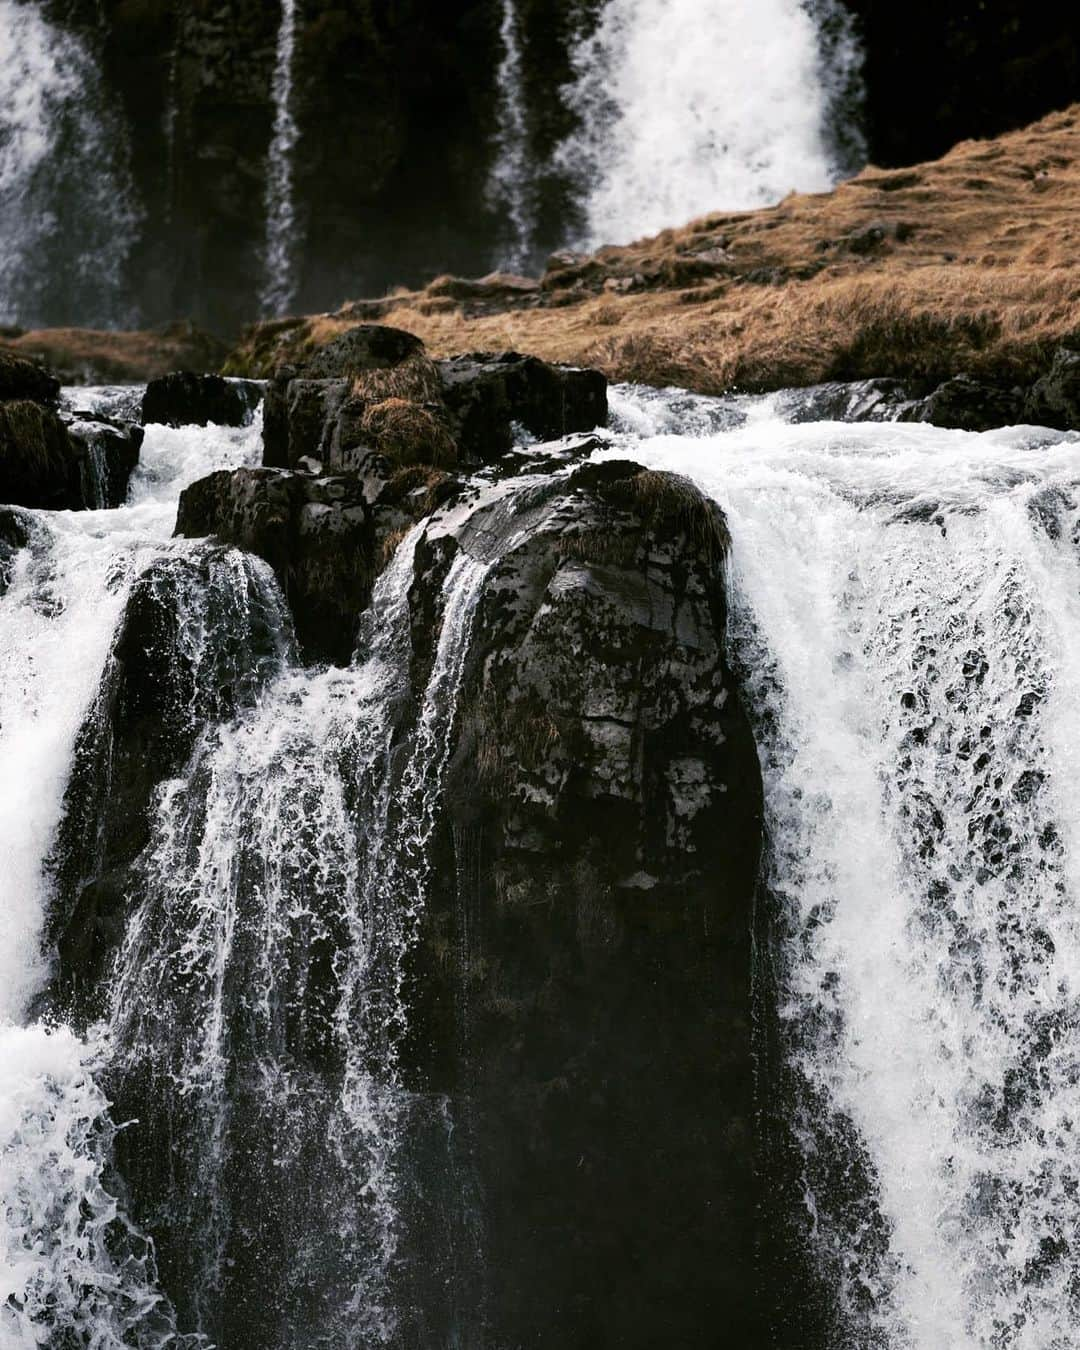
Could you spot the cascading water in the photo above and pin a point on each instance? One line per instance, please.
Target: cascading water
(74, 1271)
(258, 1001)
(906, 611)
(68, 218)
(511, 184)
(686, 109)
(281, 245)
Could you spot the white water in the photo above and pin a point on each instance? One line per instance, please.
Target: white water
(906, 604)
(67, 215)
(281, 244)
(511, 183)
(57, 1274)
(688, 108)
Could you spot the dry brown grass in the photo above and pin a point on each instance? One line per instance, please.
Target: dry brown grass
(407, 433)
(415, 379)
(968, 263)
(81, 355)
(669, 498)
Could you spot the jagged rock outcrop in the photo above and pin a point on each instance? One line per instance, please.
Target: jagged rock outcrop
(1054, 400)
(489, 395)
(184, 398)
(200, 633)
(348, 398)
(325, 537)
(53, 463)
(582, 987)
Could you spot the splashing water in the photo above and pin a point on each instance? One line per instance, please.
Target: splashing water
(686, 109)
(68, 217)
(280, 249)
(260, 991)
(71, 1266)
(906, 610)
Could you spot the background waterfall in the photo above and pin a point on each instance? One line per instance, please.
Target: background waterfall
(686, 109)
(68, 215)
(510, 188)
(281, 246)
(906, 606)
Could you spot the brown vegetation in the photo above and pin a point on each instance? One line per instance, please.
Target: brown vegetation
(968, 263)
(89, 356)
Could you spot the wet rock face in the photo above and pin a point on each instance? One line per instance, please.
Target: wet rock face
(1054, 400)
(14, 536)
(187, 399)
(324, 537)
(333, 406)
(199, 635)
(488, 395)
(581, 991)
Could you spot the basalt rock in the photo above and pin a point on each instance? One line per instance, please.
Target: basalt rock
(324, 537)
(581, 989)
(490, 395)
(186, 399)
(51, 462)
(23, 379)
(1054, 400)
(199, 635)
(967, 404)
(349, 399)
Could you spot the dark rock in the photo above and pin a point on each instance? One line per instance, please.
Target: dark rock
(159, 690)
(299, 417)
(370, 346)
(487, 395)
(1054, 400)
(52, 462)
(39, 464)
(14, 537)
(23, 379)
(880, 400)
(186, 399)
(323, 537)
(967, 404)
(581, 991)
(108, 456)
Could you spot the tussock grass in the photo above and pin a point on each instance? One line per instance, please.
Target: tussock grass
(970, 263)
(407, 433)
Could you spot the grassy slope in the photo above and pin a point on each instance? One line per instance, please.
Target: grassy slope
(969, 263)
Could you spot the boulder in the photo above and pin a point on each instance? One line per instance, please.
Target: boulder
(23, 379)
(52, 463)
(186, 399)
(581, 990)
(158, 691)
(880, 400)
(1054, 400)
(966, 404)
(107, 452)
(489, 396)
(324, 537)
(39, 464)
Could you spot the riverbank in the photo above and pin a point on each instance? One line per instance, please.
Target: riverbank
(968, 264)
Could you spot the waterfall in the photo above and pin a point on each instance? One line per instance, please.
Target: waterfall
(686, 109)
(510, 184)
(68, 219)
(906, 610)
(280, 247)
(258, 1002)
(73, 1269)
